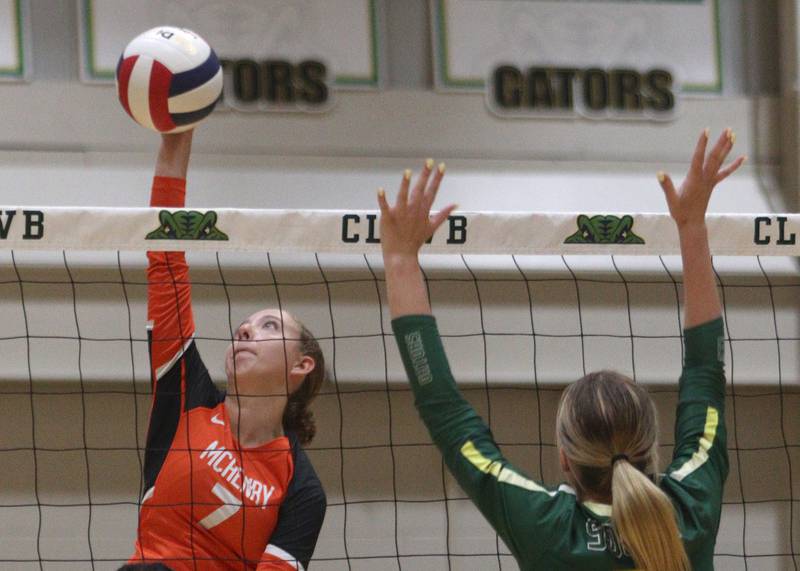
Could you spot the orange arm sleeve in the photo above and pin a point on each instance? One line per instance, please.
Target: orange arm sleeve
(169, 292)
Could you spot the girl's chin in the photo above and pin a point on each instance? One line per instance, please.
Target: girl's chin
(238, 373)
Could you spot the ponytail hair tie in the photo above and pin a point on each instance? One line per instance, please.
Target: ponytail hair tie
(618, 457)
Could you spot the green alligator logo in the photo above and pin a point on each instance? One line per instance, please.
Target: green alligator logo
(604, 229)
(187, 225)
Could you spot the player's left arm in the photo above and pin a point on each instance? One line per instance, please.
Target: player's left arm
(700, 461)
(299, 520)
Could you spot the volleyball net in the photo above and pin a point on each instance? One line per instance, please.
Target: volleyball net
(525, 302)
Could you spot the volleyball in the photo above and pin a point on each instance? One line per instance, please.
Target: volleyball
(168, 79)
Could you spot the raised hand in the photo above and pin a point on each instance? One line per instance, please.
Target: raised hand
(408, 224)
(688, 208)
(404, 229)
(689, 204)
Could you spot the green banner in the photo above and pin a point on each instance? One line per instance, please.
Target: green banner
(14, 40)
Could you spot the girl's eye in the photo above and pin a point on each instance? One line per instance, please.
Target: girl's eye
(270, 325)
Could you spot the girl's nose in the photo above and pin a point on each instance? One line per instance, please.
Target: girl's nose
(244, 332)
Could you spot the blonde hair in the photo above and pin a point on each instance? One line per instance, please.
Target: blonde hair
(607, 428)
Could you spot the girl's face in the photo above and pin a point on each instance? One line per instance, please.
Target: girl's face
(264, 358)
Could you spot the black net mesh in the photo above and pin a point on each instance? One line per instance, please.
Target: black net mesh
(76, 395)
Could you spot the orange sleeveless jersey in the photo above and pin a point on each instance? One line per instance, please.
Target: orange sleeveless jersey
(209, 504)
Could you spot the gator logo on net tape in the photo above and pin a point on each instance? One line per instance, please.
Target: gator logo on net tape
(187, 225)
(604, 229)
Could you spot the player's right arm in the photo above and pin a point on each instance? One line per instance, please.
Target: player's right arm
(169, 293)
(699, 465)
(515, 506)
(180, 379)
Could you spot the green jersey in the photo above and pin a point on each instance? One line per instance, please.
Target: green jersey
(547, 528)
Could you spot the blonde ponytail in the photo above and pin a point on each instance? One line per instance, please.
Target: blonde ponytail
(644, 519)
(606, 427)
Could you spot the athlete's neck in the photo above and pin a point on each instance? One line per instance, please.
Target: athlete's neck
(255, 420)
(596, 499)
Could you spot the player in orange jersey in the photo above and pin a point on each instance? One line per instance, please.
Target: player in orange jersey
(227, 484)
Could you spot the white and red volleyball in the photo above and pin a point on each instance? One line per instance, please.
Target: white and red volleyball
(168, 79)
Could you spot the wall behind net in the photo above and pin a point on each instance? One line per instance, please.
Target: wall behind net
(75, 393)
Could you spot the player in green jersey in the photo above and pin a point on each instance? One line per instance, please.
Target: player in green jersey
(616, 512)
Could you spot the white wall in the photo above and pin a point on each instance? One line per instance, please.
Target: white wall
(338, 160)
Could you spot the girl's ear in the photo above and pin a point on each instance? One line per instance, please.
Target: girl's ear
(305, 365)
(300, 369)
(562, 459)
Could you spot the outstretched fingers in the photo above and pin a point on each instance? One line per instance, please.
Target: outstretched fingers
(422, 182)
(699, 156)
(402, 196)
(439, 218)
(414, 204)
(382, 203)
(669, 189)
(721, 149)
(433, 188)
(730, 169)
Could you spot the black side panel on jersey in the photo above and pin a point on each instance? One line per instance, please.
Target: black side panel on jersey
(166, 411)
(303, 511)
(200, 389)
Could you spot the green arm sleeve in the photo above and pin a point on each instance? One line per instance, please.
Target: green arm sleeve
(699, 467)
(514, 505)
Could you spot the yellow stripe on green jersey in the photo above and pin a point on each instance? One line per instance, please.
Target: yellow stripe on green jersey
(503, 474)
(700, 457)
